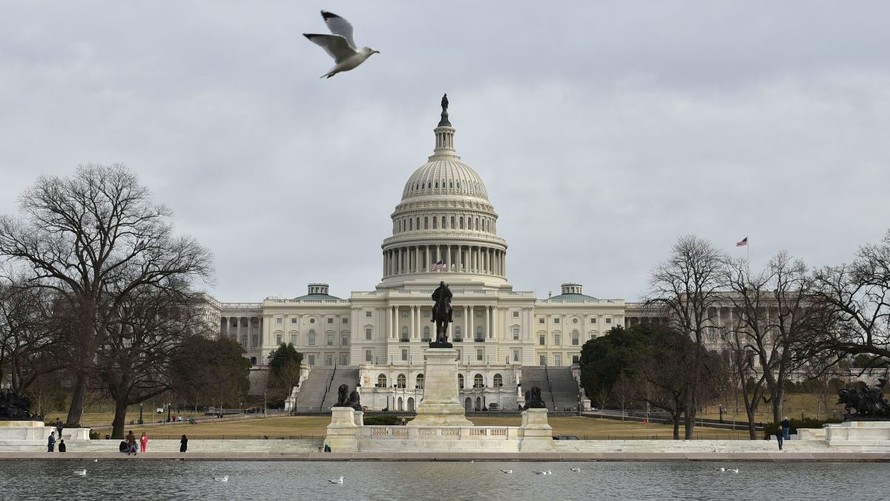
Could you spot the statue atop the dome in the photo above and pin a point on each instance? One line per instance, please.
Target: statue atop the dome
(444, 121)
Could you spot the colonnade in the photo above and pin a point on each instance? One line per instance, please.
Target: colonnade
(454, 258)
(467, 322)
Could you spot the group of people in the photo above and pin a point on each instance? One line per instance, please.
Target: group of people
(783, 432)
(51, 440)
(130, 444)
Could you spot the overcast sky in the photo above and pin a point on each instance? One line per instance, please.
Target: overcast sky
(604, 130)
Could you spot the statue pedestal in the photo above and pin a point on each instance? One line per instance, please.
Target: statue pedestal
(342, 434)
(441, 400)
(537, 434)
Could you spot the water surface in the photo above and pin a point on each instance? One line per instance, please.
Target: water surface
(419, 481)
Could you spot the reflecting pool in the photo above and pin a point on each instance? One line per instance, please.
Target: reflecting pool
(381, 480)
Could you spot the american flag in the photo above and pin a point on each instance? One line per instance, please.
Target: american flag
(741, 243)
(438, 265)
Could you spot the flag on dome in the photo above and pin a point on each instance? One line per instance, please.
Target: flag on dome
(741, 243)
(439, 265)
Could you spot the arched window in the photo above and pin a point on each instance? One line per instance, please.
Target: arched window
(381, 380)
(576, 338)
(460, 381)
(498, 381)
(401, 381)
(404, 337)
(458, 336)
(480, 335)
(419, 381)
(426, 223)
(426, 333)
(478, 381)
(311, 337)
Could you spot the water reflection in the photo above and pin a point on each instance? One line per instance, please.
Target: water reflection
(384, 481)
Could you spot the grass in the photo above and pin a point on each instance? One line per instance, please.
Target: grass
(315, 427)
(252, 426)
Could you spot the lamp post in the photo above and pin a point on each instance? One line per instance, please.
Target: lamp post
(169, 408)
(140, 414)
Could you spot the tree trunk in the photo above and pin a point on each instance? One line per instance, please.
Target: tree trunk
(120, 419)
(689, 414)
(78, 395)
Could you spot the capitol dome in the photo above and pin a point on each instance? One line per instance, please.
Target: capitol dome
(444, 223)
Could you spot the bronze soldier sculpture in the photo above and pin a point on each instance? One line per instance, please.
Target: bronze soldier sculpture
(442, 315)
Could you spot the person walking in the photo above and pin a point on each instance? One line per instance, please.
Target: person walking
(59, 427)
(183, 444)
(786, 428)
(51, 442)
(780, 436)
(143, 442)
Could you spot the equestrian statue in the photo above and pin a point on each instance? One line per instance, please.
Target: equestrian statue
(442, 315)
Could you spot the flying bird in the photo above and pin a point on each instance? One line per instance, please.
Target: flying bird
(576, 470)
(337, 481)
(224, 478)
(339, 44)
(81, 473)
(507, 471)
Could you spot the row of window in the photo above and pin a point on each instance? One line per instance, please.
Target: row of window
(497, 381)
(515, 354)
(293, 320)
(311, 338)
(456, 222)
(557, 339)
(541, 320)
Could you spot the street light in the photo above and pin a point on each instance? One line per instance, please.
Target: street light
(140, 414)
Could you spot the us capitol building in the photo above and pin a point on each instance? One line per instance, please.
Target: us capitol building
(443, 229)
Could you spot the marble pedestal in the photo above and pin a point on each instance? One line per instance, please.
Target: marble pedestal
(343, 430)
(537, 434)
(441, 404)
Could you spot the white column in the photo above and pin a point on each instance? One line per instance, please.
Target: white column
(413, 329)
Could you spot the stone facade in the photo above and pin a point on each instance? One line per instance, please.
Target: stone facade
(443, 229)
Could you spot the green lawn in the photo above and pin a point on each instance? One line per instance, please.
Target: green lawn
(250, 426)
(315, 426)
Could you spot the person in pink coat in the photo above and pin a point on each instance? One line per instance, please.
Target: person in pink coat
(143, 442)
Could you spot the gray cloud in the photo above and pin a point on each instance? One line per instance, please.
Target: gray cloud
(603, 130)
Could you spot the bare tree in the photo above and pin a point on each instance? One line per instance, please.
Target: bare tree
(623, 392)
(687, 286)
(135, 362)
(854, 301)
(93, 239)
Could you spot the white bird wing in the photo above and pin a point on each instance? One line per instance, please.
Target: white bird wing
(339, 26)
(335, 45)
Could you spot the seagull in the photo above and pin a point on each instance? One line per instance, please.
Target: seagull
(507, 471)
(720, 469)
(576, 470)
(547, 472)
(734, 470)
(81, 473)
(338, 481)
(224, 478)
(340, 44)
